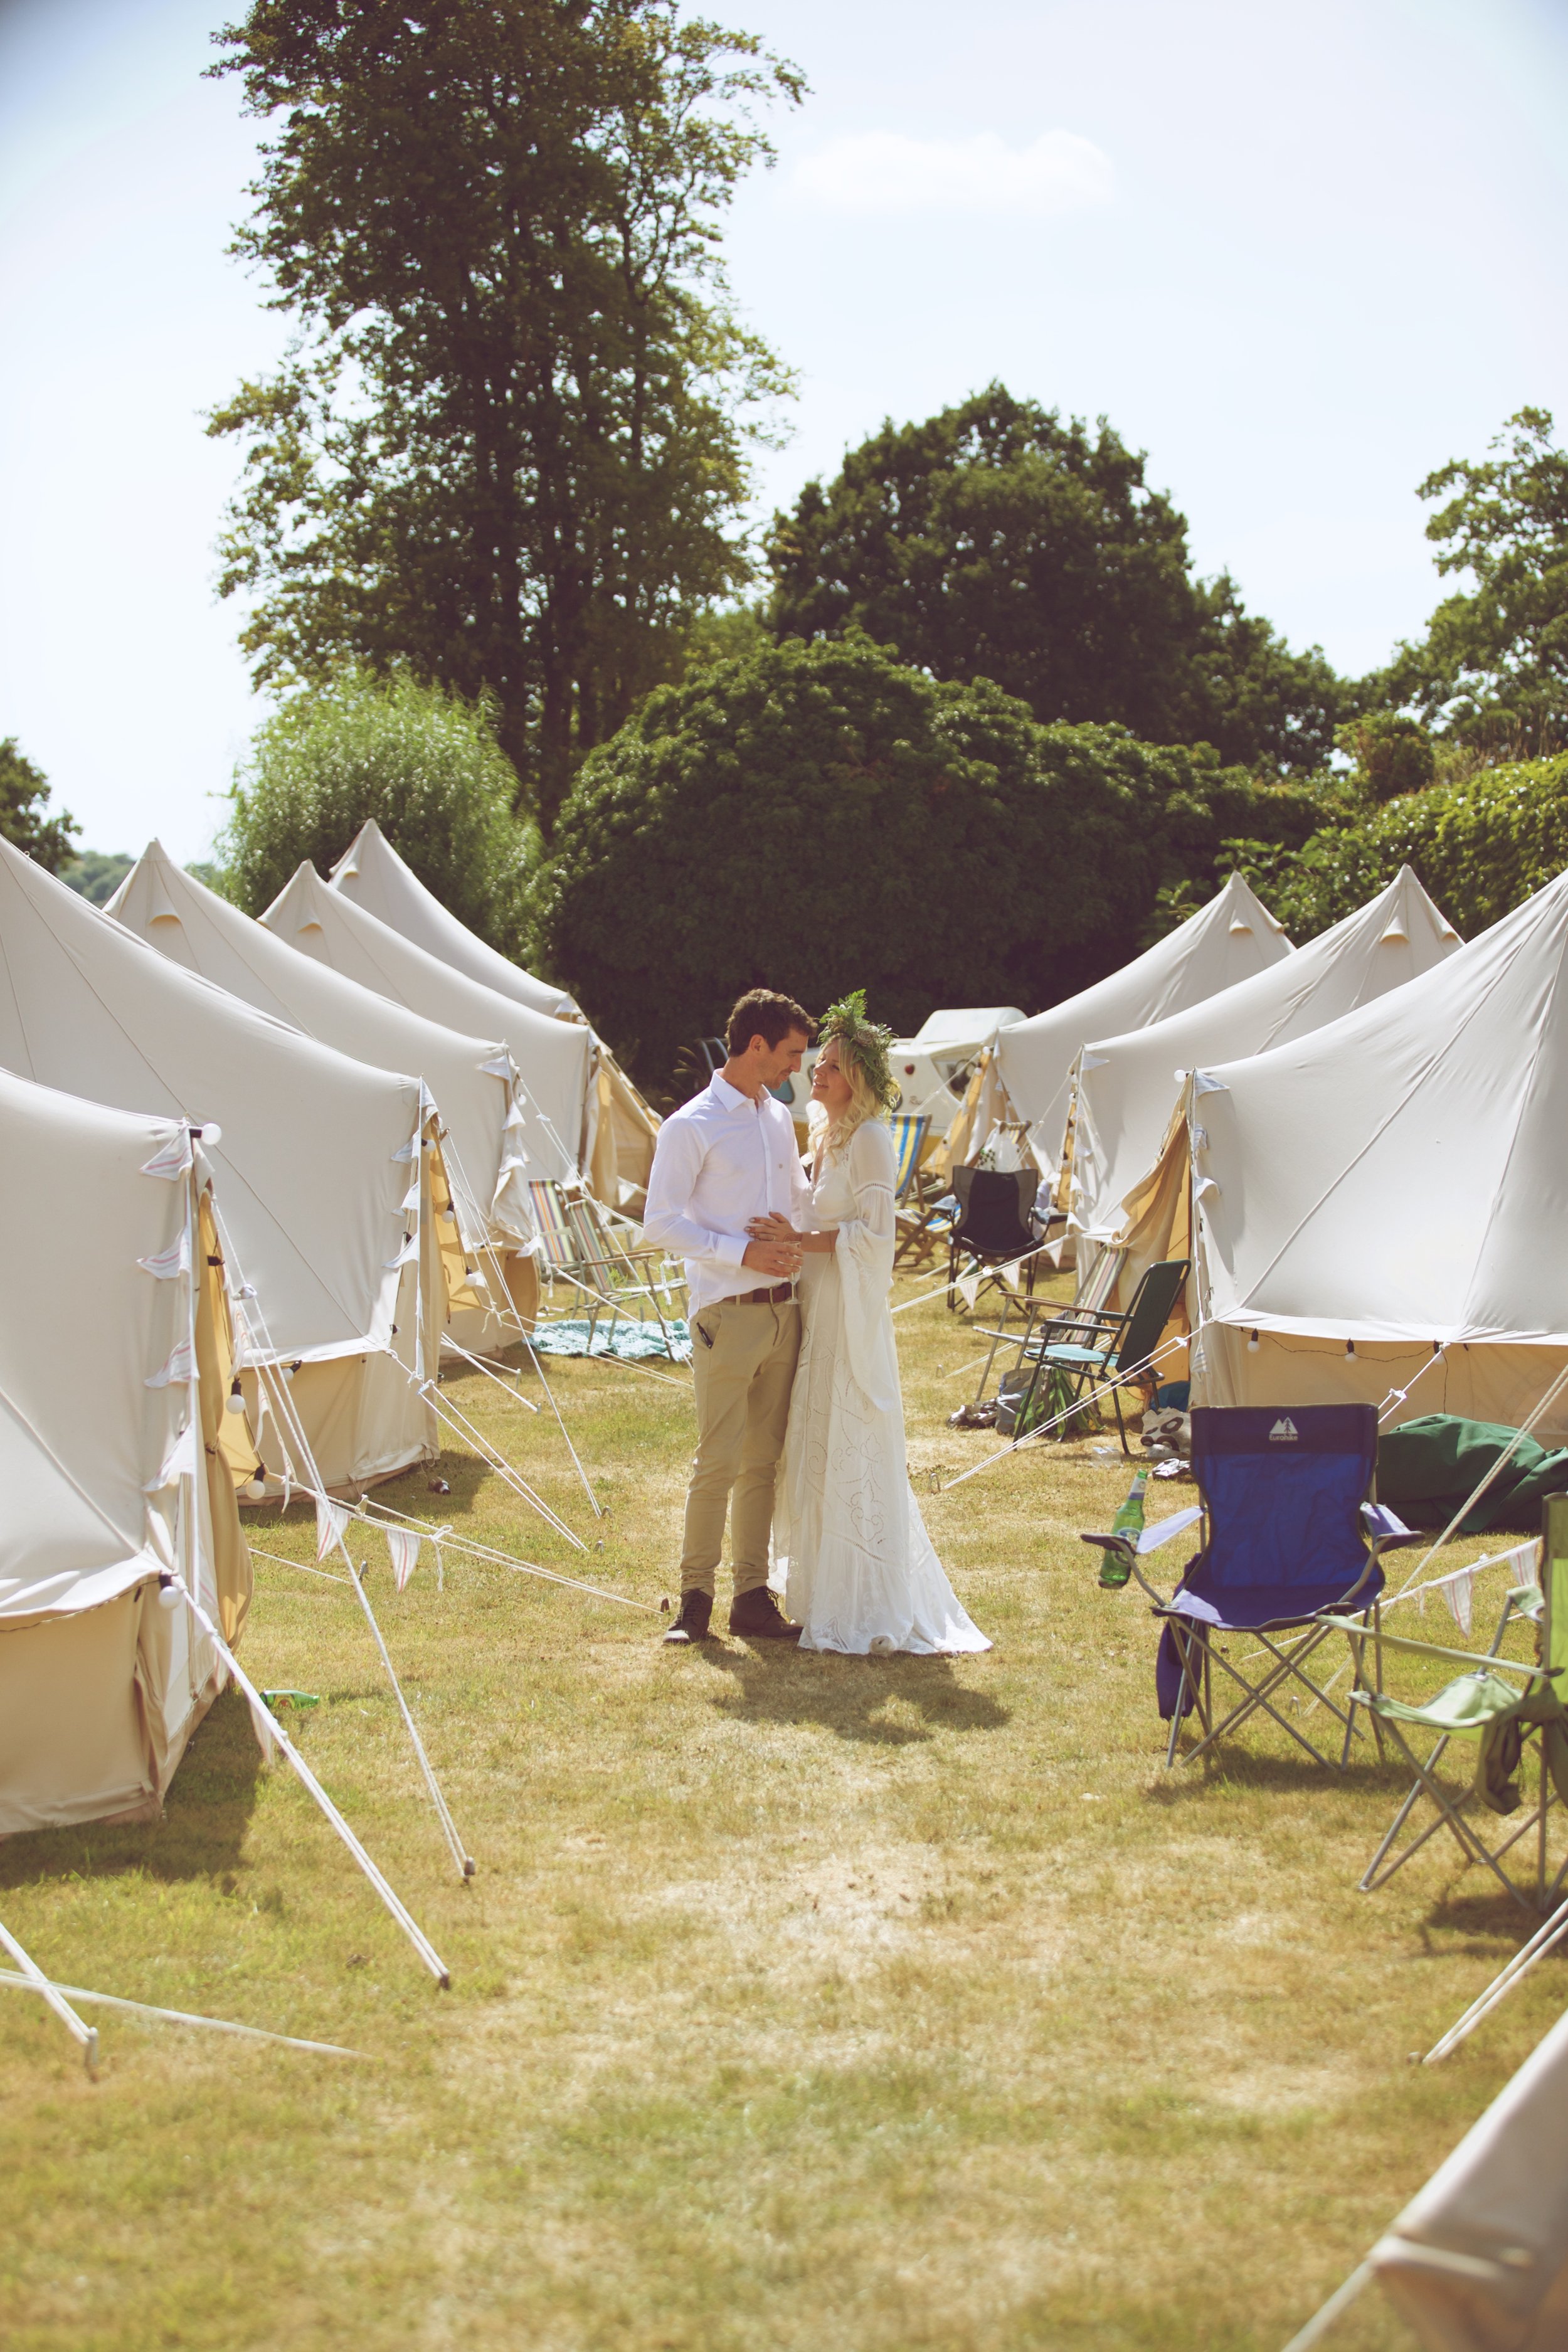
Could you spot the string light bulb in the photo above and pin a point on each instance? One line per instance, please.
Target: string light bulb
(1350, 1350)
(168, 1591)
(1252, 1345)
(235, 1401)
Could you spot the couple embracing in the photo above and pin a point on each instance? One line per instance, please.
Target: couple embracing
(800, 1425)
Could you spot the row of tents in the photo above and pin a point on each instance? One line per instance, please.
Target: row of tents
(1353, 1141)
(260, 1173)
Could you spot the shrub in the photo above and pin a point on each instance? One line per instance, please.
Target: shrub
(423, 763)
(1481, 847)
(817, 817)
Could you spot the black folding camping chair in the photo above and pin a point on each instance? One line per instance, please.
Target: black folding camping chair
(995, 1223)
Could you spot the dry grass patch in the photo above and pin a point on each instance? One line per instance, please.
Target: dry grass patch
(851, 2006)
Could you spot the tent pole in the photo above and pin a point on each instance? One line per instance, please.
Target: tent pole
(459, 1852)
(1340, 2300)
(404, 1918)
(86, 2034)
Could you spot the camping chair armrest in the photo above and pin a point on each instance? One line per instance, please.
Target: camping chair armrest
(1472, 1658)
(1125, 1549)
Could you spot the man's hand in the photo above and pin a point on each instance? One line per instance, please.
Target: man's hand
(776, 1230)
(778, 1260)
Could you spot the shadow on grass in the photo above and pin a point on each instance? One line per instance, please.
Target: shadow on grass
(201, 1835)
(779, 1684)
(1237, 1766)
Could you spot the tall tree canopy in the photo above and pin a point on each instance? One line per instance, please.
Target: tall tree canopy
(821, 817)
(23, 790)
(424, 764)
(509, 450)
(1493, 666)
(994, 541)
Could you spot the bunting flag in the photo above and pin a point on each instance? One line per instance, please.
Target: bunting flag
(403, 1545)
(175, 1160)
(266, 1733)
(331, 1518)
(180, 1461)
(180, 1369)
(410, 1248)
(1459, 1590)
(969, 1289)
(170, 1263)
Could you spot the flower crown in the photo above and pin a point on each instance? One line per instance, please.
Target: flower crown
(866, 1043)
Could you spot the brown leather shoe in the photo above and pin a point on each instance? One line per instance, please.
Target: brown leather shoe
(692, 1625)
(757, 1615)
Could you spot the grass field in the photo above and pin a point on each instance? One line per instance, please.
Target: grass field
(818, 2003)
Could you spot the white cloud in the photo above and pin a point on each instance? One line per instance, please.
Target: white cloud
(883, 172)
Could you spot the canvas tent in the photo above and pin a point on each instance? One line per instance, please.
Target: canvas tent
(1225, 941)
(581, 1100)
(373, 876)
(1376, 1207)
(1128, 1087)
(110, 1458)
(492, 1141)
(934, 1066)
(323, 1191)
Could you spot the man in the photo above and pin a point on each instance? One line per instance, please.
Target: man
(727, 1157)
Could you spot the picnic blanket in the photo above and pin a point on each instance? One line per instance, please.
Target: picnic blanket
(633, 1342)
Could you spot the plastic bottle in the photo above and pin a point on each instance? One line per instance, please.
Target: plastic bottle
(1114, 1571)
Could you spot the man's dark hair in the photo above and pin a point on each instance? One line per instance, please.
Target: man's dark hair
(760, 1013)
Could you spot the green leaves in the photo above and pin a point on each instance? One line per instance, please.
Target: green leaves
(424, 765)
(994, 541)
(24, 789)
(822, 818)
(510, 454)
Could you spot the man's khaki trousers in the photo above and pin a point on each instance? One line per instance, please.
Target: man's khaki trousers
(742, 1379)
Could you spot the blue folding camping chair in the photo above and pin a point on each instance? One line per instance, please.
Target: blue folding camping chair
(1289, 1529)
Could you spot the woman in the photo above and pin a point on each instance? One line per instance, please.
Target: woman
(861, 1572)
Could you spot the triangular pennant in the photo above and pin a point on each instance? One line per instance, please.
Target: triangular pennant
(1457, 1591)
(180, 1369)
(402, 1546)
(172, 1262)
(410, 1249)
(969, 1289)
(180, 1461)
(173, 1160)
(331, 1518)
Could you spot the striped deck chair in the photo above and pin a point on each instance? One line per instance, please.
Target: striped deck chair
(918, 1229)
(610, 1275)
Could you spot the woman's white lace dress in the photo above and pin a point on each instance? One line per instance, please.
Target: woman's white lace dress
(861, 1572)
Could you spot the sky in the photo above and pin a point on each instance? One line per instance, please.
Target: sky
(1302, 254)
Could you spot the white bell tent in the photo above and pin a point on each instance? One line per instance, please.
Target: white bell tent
(554, 1057)
(1128, 1087)
(323, 1190)
(373, 876)
(1375, 1209)
(1225, 941)
(110, 1458)
(492, 1143)
(934, 1066)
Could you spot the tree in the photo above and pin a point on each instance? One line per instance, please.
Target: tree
(1480, 846)
(1394, 755)
(24, 789)
(1493, 666)
(424, 764)
(820, 817)
(97, 874)
(993, 540)
(509, 450)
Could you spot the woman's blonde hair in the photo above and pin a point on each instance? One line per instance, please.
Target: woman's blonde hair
(832, 1135)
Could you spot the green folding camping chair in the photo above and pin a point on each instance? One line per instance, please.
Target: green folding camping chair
(1504, 1705)
(1082, 1350)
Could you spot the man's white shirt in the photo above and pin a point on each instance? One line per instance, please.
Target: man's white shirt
(721, 1161)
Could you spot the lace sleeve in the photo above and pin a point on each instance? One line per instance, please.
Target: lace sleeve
(865, 1254)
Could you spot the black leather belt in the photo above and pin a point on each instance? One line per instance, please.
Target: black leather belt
(779, 1295)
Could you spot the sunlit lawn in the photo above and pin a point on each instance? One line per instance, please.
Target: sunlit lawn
(841, 2005)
